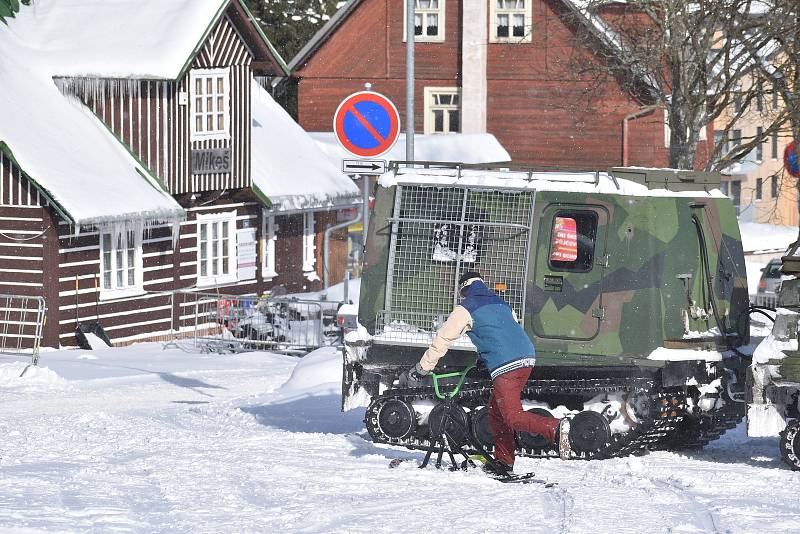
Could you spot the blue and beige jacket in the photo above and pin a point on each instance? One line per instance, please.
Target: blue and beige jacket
(489, 322)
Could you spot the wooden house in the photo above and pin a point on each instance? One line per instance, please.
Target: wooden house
(506, 67)
(126, 158)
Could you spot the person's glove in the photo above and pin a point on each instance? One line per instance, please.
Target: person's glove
(414, 377)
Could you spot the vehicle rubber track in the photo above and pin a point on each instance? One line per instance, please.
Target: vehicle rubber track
(667, 413)
(695, 432)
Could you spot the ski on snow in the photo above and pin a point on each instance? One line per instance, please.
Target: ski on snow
(522, 478)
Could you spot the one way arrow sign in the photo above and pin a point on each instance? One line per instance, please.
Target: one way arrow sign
(363, 166)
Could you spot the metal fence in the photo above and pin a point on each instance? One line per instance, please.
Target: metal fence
(22, 320)
(209, 322)
(438, 233)
(770, 300)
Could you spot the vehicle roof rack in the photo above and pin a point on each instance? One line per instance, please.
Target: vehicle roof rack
(671, 179)
(507, 166)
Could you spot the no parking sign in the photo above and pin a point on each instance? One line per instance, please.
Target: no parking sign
(366, 124)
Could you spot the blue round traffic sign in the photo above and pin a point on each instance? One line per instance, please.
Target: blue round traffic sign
(366, 124)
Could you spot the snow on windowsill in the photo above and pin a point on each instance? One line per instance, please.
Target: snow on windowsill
(114, 294)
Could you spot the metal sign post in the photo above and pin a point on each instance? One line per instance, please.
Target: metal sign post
(410, 80)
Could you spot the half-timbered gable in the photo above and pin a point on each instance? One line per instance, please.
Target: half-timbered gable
(213, 115)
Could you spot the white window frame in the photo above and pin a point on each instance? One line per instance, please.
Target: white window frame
(429, 121)
(268, 240)
(426, 38)
(526, 11)
(309, 246)
(206, 74)
(115, 290)
(217, 279)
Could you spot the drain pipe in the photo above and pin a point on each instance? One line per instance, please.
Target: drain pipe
(630, 116)
(326, 247)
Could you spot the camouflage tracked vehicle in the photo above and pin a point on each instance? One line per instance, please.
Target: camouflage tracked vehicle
(775, 373)
(631, 284)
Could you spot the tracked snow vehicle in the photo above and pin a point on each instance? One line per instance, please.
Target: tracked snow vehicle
(774, 408)
(631, 284)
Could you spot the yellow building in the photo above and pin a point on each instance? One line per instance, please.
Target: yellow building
(758, 185)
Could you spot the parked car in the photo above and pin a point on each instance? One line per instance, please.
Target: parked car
(771, 277)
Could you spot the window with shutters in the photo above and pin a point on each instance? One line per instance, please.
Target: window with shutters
(210, 104)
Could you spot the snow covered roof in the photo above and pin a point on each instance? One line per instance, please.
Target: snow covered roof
(762, 238)
(120, 38)
(69, 155)
(463, 148)
(288, 167)
(519, 180)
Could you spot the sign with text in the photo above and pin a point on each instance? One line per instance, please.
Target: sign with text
(211, 160)
(565, 240)
(246, 253)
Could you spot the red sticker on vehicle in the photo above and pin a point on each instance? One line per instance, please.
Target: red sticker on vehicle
(565, 240)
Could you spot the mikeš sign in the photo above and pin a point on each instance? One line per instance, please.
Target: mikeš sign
(211, 160)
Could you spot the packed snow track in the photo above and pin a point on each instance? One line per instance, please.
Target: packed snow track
(145, 440)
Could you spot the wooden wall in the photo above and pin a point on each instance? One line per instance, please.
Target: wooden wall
(149, 118)
(537, 107)
(24, 242)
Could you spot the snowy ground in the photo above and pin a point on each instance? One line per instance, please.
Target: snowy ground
(144, 440)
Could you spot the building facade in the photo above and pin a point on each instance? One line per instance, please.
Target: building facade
(506, 68)
(185, 124)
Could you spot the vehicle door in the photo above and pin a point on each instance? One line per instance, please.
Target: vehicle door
(567, 297)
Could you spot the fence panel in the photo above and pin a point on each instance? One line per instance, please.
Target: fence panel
(21, 323)
(770, 300)
(231, 323)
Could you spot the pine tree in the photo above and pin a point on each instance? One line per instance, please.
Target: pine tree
(290, 24)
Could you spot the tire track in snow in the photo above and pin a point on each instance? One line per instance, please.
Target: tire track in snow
(565, 505)
(701, 512)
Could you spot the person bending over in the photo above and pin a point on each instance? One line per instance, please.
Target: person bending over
(505, 349)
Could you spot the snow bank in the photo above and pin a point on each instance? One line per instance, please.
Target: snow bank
(34, 377)
(287, 166)
(319, 371)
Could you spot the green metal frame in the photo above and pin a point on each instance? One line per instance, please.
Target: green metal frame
(449, 395)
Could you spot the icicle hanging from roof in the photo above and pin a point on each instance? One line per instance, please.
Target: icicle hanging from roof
(95, 89)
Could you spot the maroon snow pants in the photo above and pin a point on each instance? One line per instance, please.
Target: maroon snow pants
(506, 415)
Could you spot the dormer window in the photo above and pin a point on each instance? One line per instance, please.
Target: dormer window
(210, 104)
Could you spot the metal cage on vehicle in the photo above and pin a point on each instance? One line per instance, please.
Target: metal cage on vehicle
(438, 233)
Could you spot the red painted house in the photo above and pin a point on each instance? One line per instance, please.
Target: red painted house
(506, 67)
(132, 164)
